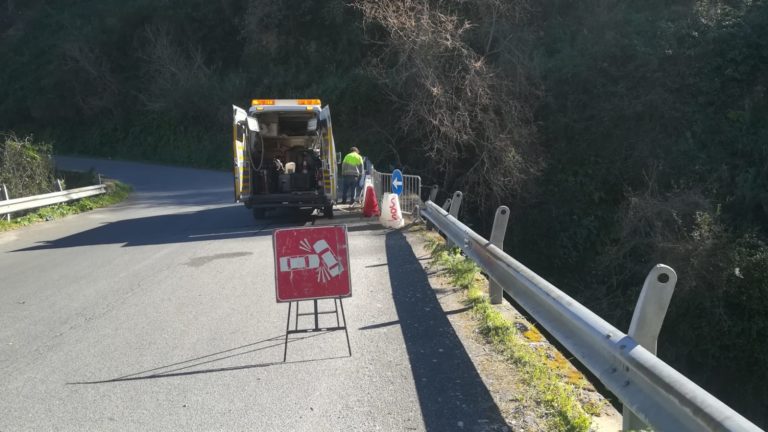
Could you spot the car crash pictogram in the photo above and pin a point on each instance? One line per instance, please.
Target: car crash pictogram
(311, 263)
(331, 267)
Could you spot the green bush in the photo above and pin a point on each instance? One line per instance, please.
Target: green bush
(25, 166)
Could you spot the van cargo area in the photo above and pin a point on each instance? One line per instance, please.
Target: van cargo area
(288, 159)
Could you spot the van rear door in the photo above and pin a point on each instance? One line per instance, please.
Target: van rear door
(328, 153)
(242, 169)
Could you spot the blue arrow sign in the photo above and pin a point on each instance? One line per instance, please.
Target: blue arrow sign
(397, 182)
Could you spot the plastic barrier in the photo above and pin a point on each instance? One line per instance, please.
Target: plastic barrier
(391, 215)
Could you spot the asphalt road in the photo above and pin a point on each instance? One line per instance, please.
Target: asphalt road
(159, 314)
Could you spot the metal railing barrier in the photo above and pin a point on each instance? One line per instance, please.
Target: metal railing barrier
(411, 196)
(656, 393)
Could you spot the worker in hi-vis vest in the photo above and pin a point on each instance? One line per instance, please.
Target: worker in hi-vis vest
(351, 170)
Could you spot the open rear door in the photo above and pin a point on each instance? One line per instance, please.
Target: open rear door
(242, 169)
(330, 167)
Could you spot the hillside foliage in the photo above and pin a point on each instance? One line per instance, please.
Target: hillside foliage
(621, 134)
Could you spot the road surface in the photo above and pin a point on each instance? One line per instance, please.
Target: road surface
(159, 314)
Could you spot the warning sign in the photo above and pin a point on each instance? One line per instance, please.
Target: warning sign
(311, 263)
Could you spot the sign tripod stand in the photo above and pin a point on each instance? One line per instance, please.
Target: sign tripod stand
(316, 313)
(312, 263)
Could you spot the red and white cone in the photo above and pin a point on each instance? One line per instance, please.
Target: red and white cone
(370, 203)
(392, 216)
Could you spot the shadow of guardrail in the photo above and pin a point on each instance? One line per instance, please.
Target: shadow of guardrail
(451, 393)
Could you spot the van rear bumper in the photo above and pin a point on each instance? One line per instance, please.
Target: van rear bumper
(294, 199)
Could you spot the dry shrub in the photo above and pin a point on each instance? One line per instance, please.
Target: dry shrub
(474, 124)
(667, 228)
(681, 230)
(180, 84)
(96, 90)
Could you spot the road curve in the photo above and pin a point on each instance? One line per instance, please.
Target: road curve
(159, 314)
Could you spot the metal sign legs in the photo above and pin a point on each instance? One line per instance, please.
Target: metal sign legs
(316, 313)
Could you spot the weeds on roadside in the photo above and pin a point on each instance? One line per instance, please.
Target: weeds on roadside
(559, 397)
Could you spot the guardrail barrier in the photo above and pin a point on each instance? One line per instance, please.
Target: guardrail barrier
(656, 393)
(9, 206)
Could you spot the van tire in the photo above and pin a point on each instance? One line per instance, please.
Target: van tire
(328, 211)
(259, 213)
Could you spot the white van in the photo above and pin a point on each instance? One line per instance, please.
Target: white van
(284, 156)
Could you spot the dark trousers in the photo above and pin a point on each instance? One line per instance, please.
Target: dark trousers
(349, 185)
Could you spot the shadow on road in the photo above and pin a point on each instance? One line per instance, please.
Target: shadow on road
(397, 322)
(189, 366)
(451, 393)
(211, 224)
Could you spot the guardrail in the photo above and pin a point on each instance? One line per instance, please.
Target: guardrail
(410, 198)
(9, 206)
(655, 392)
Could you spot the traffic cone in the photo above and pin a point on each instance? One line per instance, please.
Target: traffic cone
(391, 216)
(370, 203)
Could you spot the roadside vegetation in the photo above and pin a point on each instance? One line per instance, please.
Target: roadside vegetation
(620, 134)
(25, 166)
(553, 382)
(26, 169)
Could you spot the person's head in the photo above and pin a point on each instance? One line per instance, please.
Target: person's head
(354, 149)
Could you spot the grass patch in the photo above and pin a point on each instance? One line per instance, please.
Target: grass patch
(116, 192)
(555, 384)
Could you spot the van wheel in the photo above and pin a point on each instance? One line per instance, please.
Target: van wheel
(259, 213)
(328, 211)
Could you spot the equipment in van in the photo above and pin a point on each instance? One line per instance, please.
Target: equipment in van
(284, 156)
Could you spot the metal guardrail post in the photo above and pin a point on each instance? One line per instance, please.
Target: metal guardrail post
(455, 204)
(447, 204)
(433, 193)
(453, 210)
(498, 232)
(646, 322)
(432, 197)
(6, 197)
